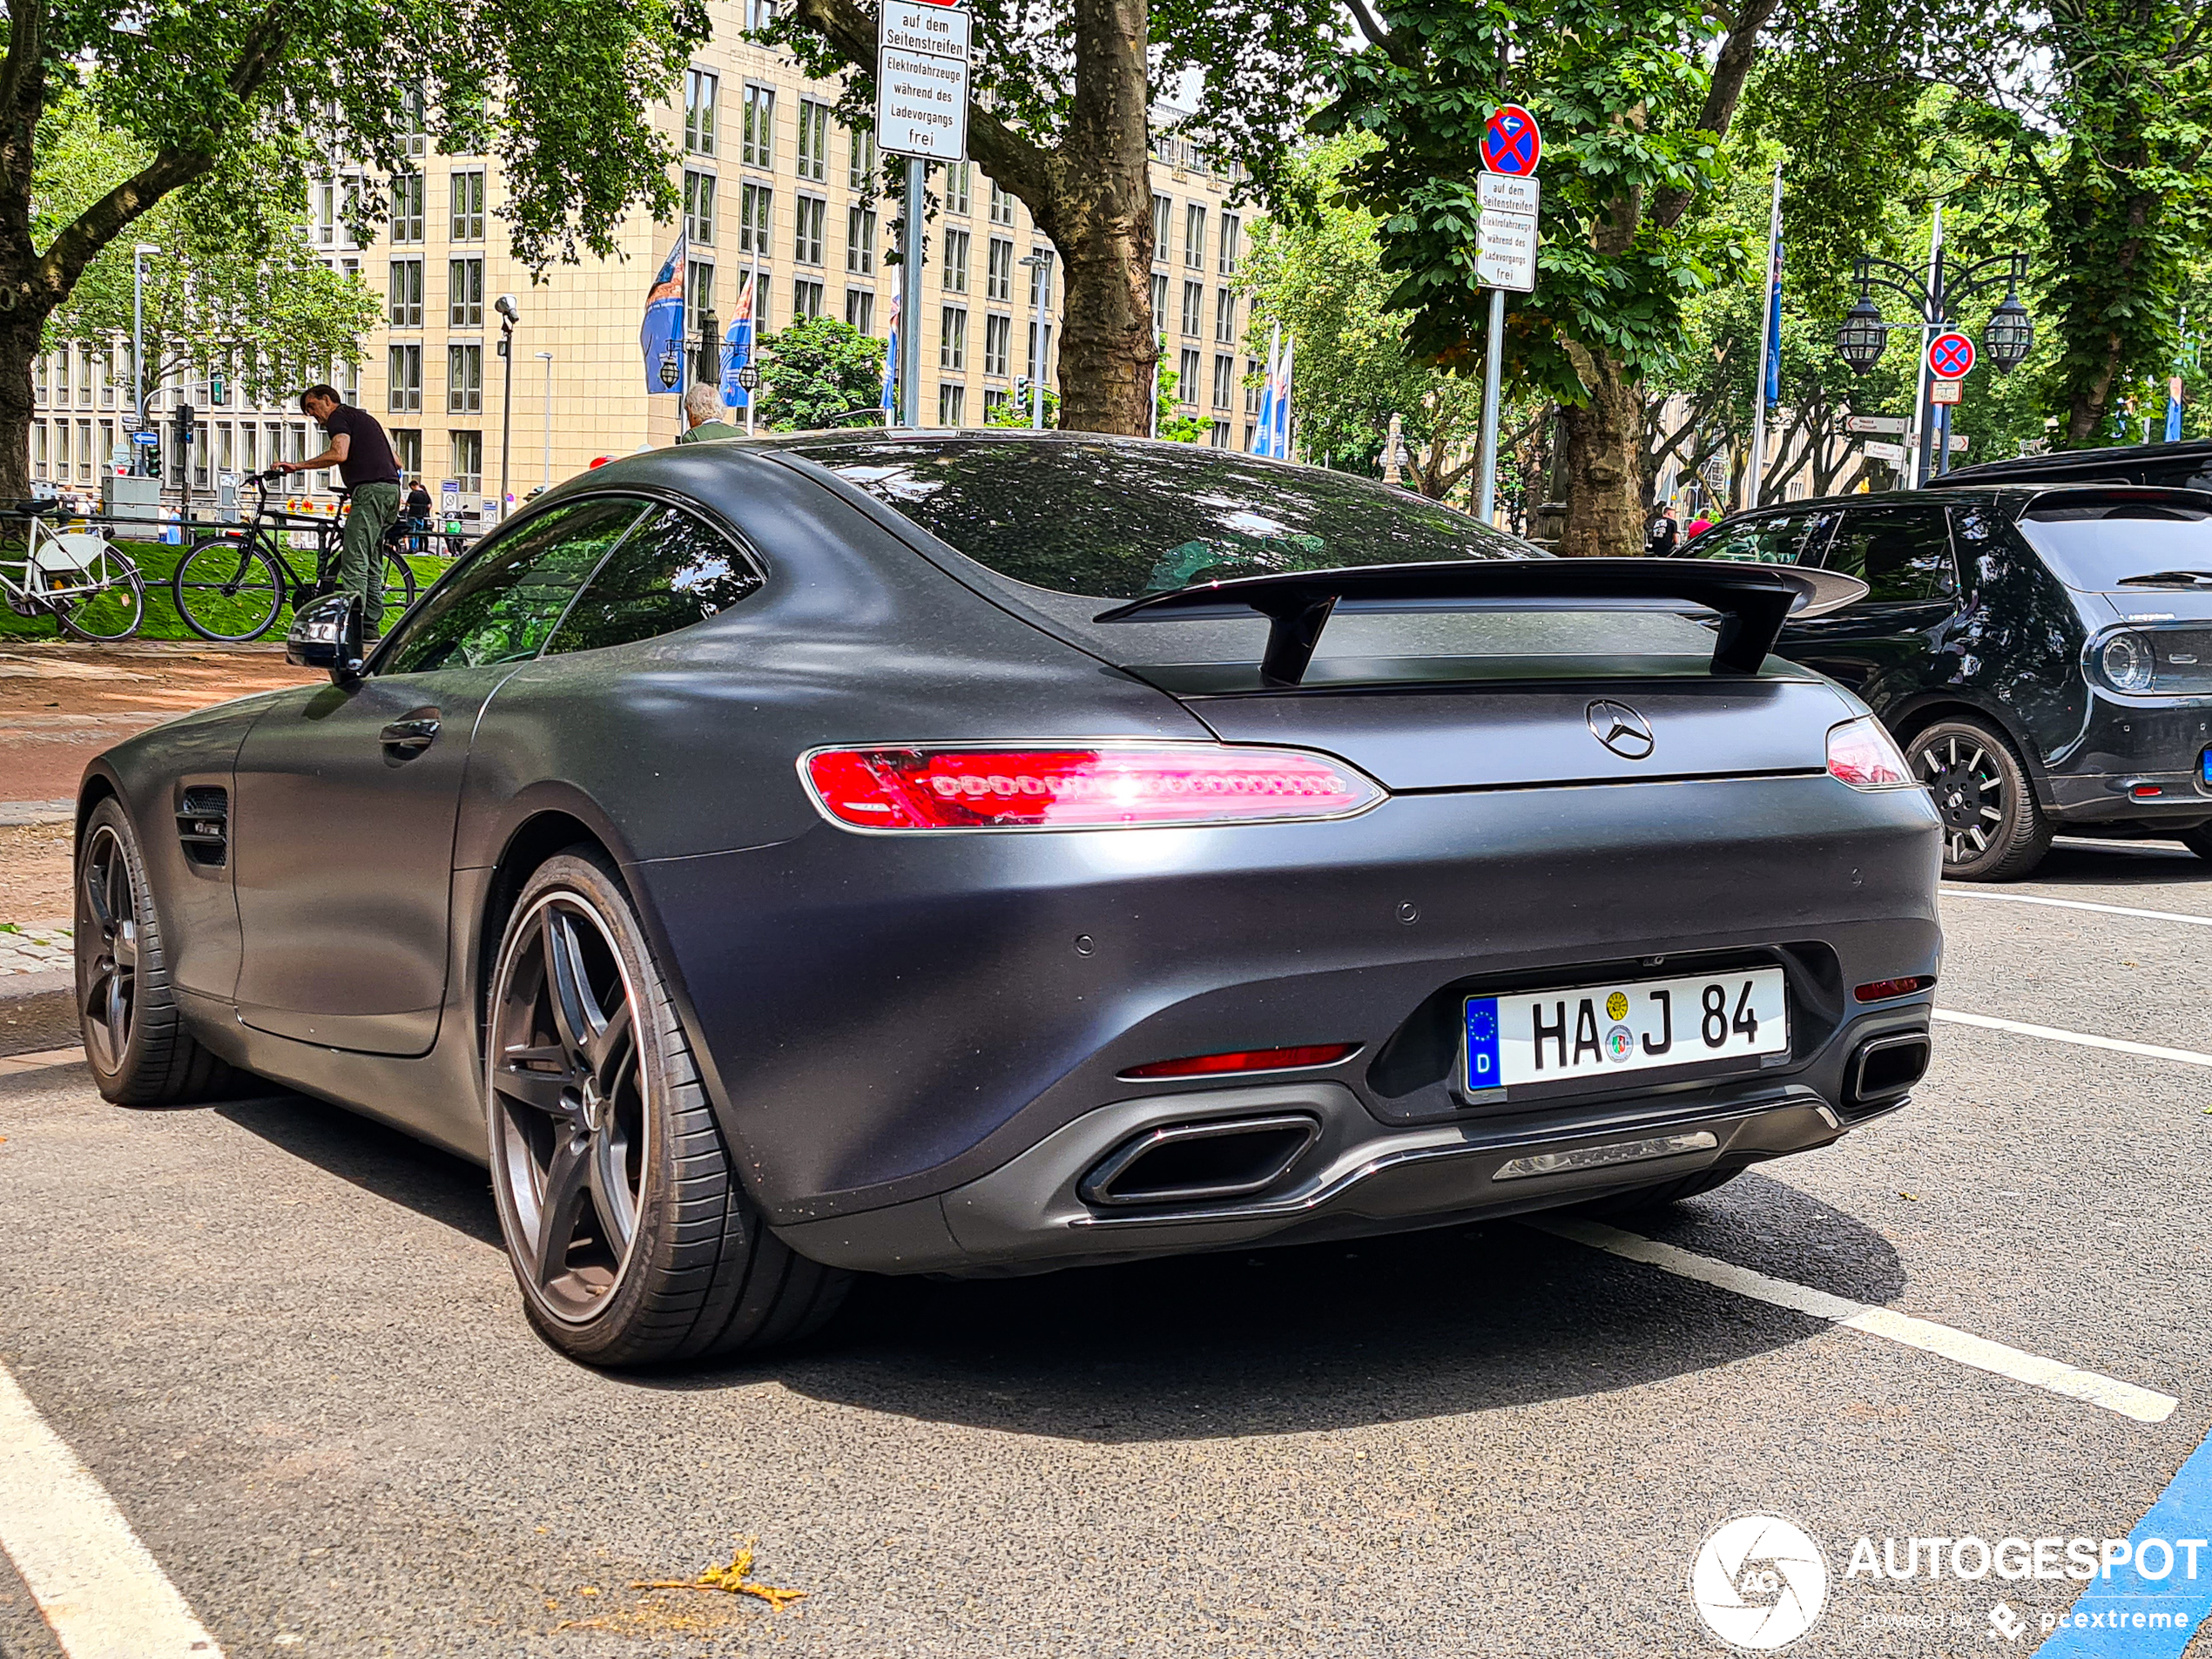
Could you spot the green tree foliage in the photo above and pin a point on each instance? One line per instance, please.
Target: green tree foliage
(1319, 276)
(815, 370)
(250, 99)
(1015, 412)
(1175, 427)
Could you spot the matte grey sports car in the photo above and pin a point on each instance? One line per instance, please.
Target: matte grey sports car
(965, 852)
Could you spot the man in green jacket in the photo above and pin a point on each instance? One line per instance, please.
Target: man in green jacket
(702, 415)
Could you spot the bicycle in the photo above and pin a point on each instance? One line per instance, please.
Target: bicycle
(89, 586)
(233, 584)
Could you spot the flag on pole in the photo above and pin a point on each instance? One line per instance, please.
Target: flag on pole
(891, 367)
(1264, 434)
(737, 351)
(660, 337)
(1279, 443)
(1774, 312)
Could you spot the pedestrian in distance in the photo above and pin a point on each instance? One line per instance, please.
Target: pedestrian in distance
(418, 515)
(1698, 526)
(703, 419)
(1664, 536)
(363, 456)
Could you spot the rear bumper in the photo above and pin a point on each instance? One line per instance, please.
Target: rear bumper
(2127, 746)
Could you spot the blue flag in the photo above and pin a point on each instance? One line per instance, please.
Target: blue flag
(660, 337)
(1774, 322)
(737, 352)
(891, 367)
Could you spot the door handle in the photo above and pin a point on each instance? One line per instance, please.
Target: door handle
(412, 735)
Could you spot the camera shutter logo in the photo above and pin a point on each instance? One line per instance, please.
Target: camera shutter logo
(1621, 729)
(1759, 1582)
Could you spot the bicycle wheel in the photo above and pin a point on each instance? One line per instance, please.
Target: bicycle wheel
(398, 588)
(104, 600)
(227, 588)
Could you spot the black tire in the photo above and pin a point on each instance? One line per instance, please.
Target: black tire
(1992, 829)
(2198, 841)
(592, 1130)
(135, 1039)
(113, 611)
(227, 588)
(1659, 1195)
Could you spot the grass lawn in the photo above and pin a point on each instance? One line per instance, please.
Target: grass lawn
(157, 562)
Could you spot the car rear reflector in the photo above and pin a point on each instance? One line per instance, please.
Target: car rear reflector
(1208, 1065)
(1864, 756)
(1109, 786)
(1882, 989)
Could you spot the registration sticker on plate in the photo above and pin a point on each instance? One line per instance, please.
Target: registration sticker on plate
(1638, 1025)
(2204, 765)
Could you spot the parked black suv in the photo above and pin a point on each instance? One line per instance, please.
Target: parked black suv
(2043, 654)
(2169, 466)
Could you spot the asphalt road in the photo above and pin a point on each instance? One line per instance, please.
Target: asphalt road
(285, 1342)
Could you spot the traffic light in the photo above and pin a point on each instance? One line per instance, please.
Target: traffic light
(216, 390)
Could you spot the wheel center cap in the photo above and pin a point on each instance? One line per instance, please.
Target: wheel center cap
(595, 1107)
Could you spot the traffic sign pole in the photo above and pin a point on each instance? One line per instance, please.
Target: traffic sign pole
(1505, 258)
(1493, 362)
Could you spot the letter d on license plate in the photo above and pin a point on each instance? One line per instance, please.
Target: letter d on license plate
(1639, 1025)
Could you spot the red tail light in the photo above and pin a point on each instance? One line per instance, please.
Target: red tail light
(1110, 786)
(1882, 989)
(1208, 1065)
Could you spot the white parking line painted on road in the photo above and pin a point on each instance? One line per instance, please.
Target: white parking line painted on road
(2143, 1405)
(102, 1594)
(2149, 1050)
(2081, 904)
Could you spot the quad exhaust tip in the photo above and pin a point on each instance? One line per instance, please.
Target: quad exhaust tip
(1192, 1163)
(1885, 1067)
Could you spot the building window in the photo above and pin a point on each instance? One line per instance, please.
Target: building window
(1194, 306)
(325, 212)
(1041, 278)
(84, 450)
(952, 405)
(699, 207)
(403, 364)
(1186, 386)
(860, 310)
(759, 143)
(464, 380)
(758, 14)
(1225, 316)
(1224, 381)
(407, 207)
(1232, 230)
(807, 230)
(998, 271)
(469, 206)
(465, 293)
(756, 205)
(38, 449)
(951, 337)
(995, 399)
(1034, 370)
(860, 240)
(805, 298)
(701, 88)
(958, 175)
(414, 139)
(1194, 236)
(1001, 204)
(813, 140)
(698, 289)
(860, 166)
(1252, 369)
(407, 448)
(1159, 302)
(956, 280)
(1163, 210)
(403, 294)
(39, 380)
(998, 338)
(469, 461)
(1219, 437)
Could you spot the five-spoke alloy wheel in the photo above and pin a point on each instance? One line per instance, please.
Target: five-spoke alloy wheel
(1992, 828)
(628, 1231)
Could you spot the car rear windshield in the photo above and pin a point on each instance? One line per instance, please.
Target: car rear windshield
(1117, 520)
(2094, 546)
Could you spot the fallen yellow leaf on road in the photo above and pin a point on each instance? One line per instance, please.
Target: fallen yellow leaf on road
(736, 1579)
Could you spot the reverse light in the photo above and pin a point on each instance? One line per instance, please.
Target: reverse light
(1209, 1065)
(1881, 990)
(1108, 786)
(1864, 755)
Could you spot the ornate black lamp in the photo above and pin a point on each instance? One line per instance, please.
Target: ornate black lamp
(2011, 333)
(1863, 335)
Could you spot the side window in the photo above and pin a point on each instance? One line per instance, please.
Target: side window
(1791, 538)
(500, 605)
(1902, 553)
(674, 571)
(1728, 542)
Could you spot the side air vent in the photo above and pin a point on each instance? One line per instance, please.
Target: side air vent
(204, 825)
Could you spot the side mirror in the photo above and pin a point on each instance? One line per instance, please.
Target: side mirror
(328, 634)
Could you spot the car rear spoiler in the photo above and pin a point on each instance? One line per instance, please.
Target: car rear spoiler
(1753, 600)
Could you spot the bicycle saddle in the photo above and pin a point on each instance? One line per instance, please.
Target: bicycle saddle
(37, 509)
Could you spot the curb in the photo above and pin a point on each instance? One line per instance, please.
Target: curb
(37, 1011)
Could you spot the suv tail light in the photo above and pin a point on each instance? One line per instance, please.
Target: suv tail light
(1864, 755)
(1108, 786)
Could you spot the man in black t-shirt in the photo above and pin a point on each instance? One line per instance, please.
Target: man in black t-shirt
(363, 456)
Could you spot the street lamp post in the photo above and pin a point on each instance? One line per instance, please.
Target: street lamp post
(546, 481)
(1040, 263)
(509, 314)
(139, 352)
(2008, 337)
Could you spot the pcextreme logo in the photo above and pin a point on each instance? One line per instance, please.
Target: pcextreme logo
(1758, 1582)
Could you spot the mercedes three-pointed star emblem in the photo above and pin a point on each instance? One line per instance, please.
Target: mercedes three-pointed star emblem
(1621, 729)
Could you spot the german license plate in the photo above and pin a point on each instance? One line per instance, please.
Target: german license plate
(1591, 1031)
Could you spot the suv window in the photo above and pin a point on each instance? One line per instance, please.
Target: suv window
(1783, 538)
(1902, 554)
(671, 571)
(500, 605)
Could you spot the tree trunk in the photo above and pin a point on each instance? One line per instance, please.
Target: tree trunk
(1604, 448)
(19, 331)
